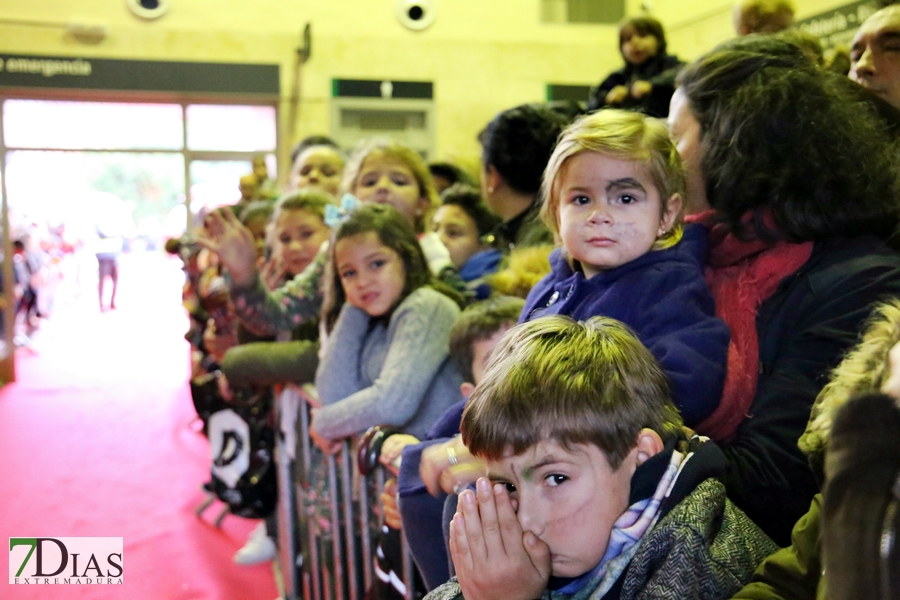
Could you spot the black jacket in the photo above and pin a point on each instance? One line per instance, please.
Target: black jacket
(804, 330)
(659, 70)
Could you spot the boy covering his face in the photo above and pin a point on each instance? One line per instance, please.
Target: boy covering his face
(594, 491)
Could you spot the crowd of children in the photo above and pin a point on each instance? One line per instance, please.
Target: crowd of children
(627, 426)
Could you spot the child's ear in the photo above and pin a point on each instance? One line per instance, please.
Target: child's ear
(670, 214)
(466, 389)
(648, 444)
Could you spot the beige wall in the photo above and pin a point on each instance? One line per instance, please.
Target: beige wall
(482, 55)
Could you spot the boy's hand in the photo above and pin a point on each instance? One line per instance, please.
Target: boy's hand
(392, 449)
(494, 558)
(439, 473)
(233, 243)
(389, 503)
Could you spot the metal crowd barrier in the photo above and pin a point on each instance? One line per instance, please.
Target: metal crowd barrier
(316, 560)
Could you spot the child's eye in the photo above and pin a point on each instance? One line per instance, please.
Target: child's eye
(400, 180)
(510, 487)
(305, 170)
(581, 200)
(305, 235)
(327, 171)
(555, 479)
(627, 199)
(348, 274)
(378, 263)
(285, 239)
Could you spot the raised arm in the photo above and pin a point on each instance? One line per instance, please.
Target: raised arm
(261, 311)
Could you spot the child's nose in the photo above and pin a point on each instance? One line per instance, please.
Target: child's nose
(600, 214)
(865, 64)
(530, 517)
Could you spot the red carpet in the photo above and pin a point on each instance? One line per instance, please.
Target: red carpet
(95, 440)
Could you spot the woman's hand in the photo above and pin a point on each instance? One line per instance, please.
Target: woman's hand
(225, 235)
(449, 467)
(617, 95)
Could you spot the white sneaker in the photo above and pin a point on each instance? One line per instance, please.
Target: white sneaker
(259, 548)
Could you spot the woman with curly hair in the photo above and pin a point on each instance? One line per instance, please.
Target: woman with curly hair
(797, 571)
(799, 187)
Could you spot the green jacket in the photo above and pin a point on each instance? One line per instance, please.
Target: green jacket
(795, 572)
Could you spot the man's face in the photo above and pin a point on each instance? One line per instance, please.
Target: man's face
(875, 55)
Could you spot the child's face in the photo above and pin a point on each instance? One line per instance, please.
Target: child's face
(636, 47)
(318, 166)
(481, 352)
(373, 275)
(300, 233)
(458, 232)
(569, 498)
(388, 180)
(610, 211)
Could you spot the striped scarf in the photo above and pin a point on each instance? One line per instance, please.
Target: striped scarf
(624, 540)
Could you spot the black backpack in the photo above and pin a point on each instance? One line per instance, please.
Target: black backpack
(242, 442)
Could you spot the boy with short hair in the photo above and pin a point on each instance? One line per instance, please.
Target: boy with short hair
(425, 466)
(593, 491)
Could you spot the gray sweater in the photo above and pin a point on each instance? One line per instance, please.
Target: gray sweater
(396, 374)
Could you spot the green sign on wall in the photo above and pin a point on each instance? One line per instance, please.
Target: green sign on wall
(140, 75)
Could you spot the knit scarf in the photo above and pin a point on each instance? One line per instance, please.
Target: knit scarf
(741, 276)
(627, 531)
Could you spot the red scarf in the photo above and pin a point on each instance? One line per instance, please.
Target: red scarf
(741, 276)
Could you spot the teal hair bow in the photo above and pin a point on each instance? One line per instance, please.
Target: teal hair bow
(335, 215)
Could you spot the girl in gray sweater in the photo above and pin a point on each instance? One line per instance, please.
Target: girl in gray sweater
(386, 358)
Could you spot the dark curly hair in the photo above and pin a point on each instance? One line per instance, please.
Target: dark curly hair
(780, 136)
(518, 143)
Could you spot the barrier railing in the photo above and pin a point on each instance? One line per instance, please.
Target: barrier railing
(326, 512)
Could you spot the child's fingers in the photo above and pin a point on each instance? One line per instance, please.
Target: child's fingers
(490, 523)
(475, 542)
(510, 529)
(538, 552)
(459, 544)
(229, 216)
(207, 242)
